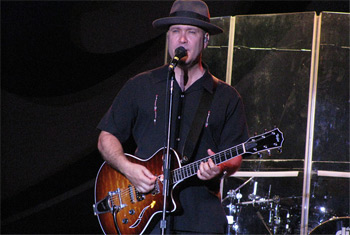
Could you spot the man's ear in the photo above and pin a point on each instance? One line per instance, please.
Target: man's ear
(205, 40)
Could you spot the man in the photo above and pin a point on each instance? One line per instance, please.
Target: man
(139, 111)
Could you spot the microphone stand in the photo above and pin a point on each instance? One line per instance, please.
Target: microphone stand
(167, 155)
(180, 52)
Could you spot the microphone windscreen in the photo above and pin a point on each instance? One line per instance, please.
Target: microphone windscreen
(180, 52)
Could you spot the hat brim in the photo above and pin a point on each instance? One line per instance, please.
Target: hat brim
(164, 23)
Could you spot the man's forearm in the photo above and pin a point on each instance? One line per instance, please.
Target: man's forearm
(112, 151)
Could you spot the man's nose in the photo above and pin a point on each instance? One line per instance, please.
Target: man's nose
(183, 38)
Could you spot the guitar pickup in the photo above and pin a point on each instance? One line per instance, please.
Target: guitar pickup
(110, 203)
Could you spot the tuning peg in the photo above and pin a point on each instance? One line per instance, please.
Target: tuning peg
(260, 155)
(279, 150)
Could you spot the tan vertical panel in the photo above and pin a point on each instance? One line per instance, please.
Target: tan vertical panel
(231, 40)
(310, 125)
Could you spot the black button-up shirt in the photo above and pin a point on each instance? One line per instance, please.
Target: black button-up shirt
(139, 110)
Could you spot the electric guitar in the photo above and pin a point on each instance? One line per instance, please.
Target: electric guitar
(121, 209)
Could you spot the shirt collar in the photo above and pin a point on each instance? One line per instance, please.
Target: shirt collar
(161, 74)
(208, 82)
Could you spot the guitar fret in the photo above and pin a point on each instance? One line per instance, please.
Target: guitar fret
(239, 153)
(197, 165)
(185, 171)
(178, 174)
(222, 157)
(226, 153)
(188, 172)
(214, 159)
(192, 170)
(231, 153)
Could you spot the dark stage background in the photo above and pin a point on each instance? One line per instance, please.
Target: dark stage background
(62, 65)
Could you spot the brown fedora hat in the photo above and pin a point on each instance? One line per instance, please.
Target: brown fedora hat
(188, 12)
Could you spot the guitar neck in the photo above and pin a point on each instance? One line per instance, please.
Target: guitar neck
(191, 169)
(265, 142)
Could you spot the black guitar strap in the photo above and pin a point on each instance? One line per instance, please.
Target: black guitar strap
(198, 123)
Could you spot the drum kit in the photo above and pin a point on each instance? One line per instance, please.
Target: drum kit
(273, 214)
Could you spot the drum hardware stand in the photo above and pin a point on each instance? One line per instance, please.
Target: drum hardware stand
(253, 195)
(234, 210)
(274, 217)
(274, 221)
(263, 221)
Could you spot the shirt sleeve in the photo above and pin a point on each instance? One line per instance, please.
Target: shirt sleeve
(235, 130)
(122, 113)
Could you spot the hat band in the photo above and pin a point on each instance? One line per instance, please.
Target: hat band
(190, 14)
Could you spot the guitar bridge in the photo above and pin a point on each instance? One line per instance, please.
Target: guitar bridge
(110, 203)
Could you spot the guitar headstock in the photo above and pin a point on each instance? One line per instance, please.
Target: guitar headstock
(264, 142)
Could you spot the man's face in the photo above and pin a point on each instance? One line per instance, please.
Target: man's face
(189, 37)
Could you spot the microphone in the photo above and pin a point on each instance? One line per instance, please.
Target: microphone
(180, 52)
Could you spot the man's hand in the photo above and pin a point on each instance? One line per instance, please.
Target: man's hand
(208, 170)
(143, 180)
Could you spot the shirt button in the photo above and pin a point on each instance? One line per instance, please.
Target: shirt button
(178, 117)
(182, 96)
(177, 139)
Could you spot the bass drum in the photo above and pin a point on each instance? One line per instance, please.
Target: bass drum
(336, 226)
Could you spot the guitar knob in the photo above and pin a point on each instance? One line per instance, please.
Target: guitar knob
(131, 212)
(125, 221)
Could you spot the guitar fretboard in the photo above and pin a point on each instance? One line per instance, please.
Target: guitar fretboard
(264, 142)
(192, 168)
